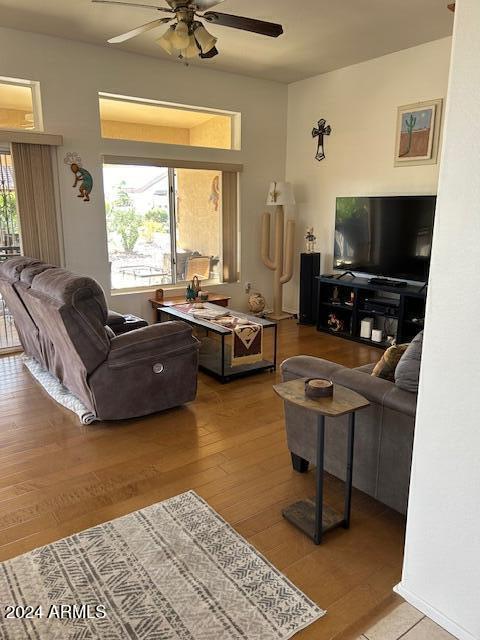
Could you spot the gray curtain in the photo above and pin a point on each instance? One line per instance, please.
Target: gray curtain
(34, 185)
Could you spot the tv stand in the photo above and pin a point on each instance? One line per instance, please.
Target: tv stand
(343, 304)
(387, 282)
(345, 273)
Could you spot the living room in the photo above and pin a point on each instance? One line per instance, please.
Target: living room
(174, 161)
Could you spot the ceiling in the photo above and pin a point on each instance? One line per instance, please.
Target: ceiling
(320, 35)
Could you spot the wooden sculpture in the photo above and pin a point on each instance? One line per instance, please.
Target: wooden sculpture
(282, 261)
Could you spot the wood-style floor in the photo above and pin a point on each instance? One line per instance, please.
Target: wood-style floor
(58, 477)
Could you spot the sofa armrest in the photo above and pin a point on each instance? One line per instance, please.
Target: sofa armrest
(149, 342)
(377, 390)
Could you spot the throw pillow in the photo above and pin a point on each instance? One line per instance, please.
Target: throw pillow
(385, 367)
(407, 372)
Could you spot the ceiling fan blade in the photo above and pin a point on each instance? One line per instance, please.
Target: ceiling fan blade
(203, 5)
(136, 32)
(246, 24)
(133, 4)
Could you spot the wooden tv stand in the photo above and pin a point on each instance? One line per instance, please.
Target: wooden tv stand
(401, 311)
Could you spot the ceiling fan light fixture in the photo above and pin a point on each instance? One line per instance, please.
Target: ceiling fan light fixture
(205, 40)
(192, 50)
(181, 36)
(165, 41)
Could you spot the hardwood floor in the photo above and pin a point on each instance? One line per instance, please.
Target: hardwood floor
(58, 477)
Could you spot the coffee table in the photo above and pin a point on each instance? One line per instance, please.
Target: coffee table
(214, 347)
(314, 517)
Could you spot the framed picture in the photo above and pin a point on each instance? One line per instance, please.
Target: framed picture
(418, 133)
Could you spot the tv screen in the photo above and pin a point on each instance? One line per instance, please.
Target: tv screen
(385, 236)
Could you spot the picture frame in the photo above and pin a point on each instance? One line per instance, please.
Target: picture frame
(418, 133)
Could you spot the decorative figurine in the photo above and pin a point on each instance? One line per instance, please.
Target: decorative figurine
(190, 294)
(310, 240)
(321, 130)
(256, 303)
(195, 286)
(335, 296)
(335, 324)
(82, 176)
(351, 302)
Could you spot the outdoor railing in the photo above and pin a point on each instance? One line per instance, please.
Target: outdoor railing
(8, 333)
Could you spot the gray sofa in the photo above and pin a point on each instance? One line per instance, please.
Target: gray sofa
(384, 430)
(61, 319)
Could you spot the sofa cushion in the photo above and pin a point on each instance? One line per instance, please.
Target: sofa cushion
(385, 367)
(407, 372)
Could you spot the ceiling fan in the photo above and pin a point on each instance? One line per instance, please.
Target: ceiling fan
(187, 36)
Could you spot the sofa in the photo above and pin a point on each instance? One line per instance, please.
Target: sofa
(384, 431)
(61, 319)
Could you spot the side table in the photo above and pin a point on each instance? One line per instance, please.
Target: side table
(314, 517)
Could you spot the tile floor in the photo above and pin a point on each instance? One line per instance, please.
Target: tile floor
(407, 623)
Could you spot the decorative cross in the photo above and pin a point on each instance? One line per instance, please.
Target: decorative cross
(319, 132)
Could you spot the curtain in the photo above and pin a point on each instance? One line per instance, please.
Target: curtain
(35, 190)
(230, 226)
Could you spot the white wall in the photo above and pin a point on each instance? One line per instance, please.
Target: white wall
(442, 555)
(360, 103)
(71, 74)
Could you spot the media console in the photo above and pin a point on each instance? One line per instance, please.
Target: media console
(343, 304)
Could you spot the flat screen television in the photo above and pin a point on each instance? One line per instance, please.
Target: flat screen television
(388, 236)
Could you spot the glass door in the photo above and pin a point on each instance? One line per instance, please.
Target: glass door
(10, 245)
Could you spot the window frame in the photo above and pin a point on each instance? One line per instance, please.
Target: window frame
(235, 119)
(36, 103)
(171, 166)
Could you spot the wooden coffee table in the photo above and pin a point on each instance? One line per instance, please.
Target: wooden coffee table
(314, 517)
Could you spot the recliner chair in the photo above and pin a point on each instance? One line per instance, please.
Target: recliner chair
(62, 324)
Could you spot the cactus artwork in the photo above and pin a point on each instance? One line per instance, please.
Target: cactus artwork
(281, 263)
(417, 132)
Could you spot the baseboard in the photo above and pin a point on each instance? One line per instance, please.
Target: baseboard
(434, 614)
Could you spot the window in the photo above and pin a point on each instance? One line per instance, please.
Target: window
(149, 121)
(19, 104)
(165, 224)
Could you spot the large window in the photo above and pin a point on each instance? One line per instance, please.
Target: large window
(164, 224)
(19, 104)
(149, 121)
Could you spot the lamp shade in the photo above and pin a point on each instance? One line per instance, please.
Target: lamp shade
(165, 41)
(181, 37)
(205, 39)
(280, 193)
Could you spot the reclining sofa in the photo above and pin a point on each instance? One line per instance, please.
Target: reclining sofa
(62, 322)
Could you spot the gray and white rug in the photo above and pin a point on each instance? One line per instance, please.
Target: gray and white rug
(173, 571)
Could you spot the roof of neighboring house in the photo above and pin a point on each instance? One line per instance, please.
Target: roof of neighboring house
(6, 177)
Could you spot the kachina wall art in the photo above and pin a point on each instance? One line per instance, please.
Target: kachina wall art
(418, 133)
(83, 179)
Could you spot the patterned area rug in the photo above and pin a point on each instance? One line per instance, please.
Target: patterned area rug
(175, 570)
